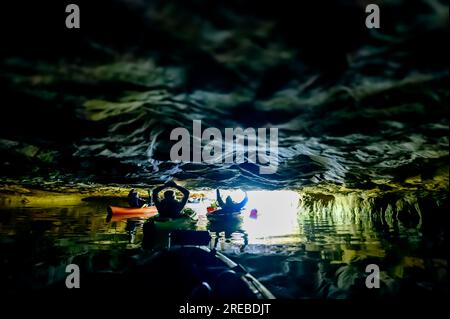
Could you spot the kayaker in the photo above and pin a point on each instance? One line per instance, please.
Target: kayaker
(134, 200)
(229, 207)
(170, 206)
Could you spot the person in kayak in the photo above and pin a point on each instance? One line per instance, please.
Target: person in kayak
(229, 207)
(135, 201)
(169, 206)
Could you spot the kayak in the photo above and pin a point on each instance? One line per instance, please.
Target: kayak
(116, 210)
(187, 269)
(198, 273)
(184, 221)
(184, 271)
(217, 214)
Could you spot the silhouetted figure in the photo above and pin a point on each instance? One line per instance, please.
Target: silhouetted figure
(229, 207)
(134, 200)
(169, 206)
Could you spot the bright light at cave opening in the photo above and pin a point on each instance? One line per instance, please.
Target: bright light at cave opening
(275, 218)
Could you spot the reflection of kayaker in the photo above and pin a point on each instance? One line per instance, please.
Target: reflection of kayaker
(169, 207)
(130, 228)
(229, 207)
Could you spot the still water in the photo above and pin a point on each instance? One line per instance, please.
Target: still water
(294, 253)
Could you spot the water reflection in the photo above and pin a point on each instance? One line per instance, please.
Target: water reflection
(294, 253)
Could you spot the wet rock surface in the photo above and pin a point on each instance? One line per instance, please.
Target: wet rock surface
(355, 108)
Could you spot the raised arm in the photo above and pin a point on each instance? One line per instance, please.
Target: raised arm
(156, 192)
(185, 193)
(219, 199)
(242, 204)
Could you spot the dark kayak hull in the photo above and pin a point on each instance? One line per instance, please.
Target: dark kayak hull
(219, 215)
(183, 222)
(172, 275)
(198, 273)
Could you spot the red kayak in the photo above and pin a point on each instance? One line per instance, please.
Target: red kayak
(150, 210)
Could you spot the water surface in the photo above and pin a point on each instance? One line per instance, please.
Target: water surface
(296, 254)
